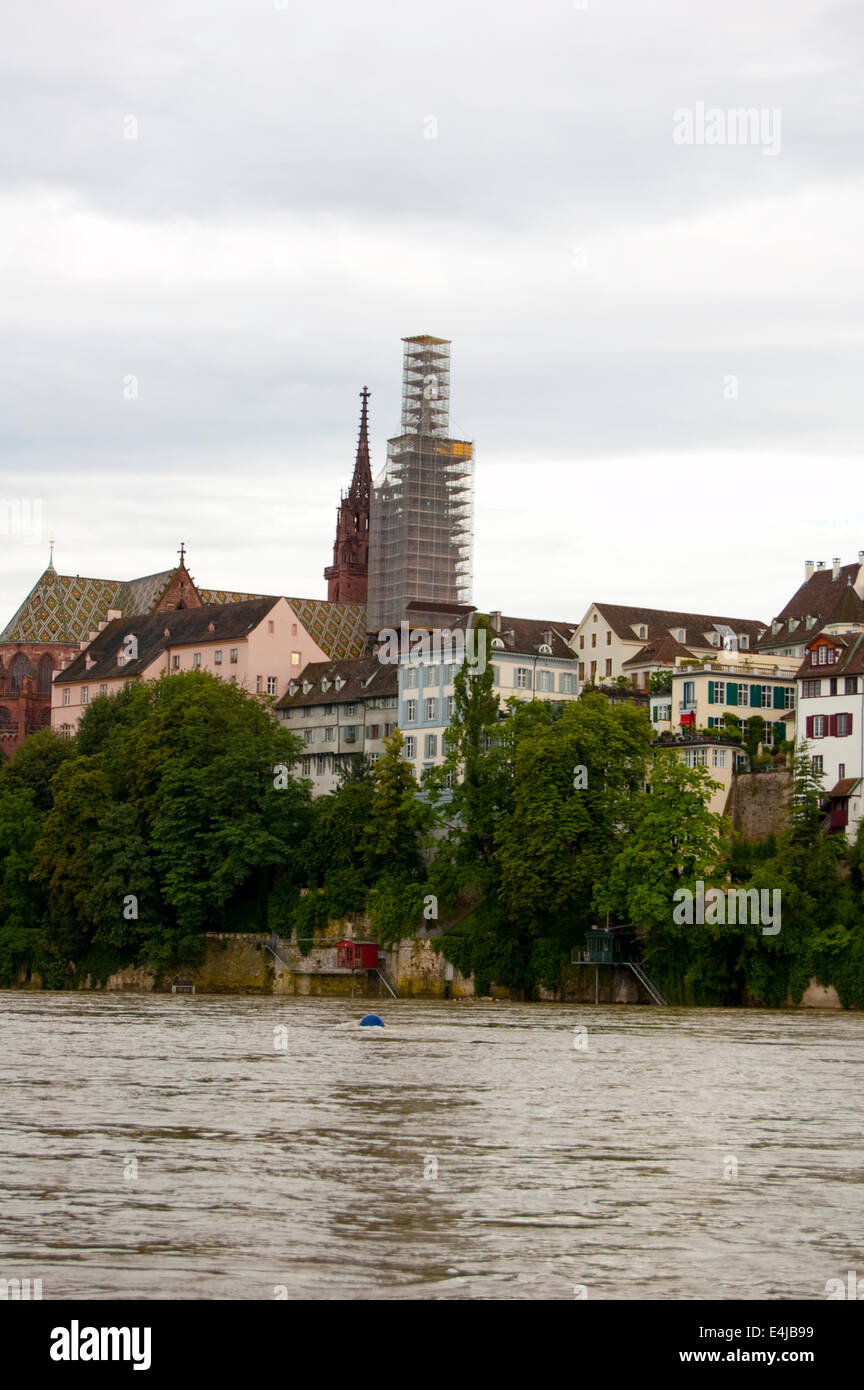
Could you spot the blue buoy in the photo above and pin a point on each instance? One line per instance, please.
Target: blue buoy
(371, 1021)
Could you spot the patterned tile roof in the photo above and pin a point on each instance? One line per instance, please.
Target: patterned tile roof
(338, 628)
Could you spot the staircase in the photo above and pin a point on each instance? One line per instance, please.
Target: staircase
(383, 978)
(645, 979)
(274, 945)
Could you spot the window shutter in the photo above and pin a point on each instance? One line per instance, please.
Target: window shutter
(779, 732)
(848, 723)
(756, 696)
(832, 725)
(710, 692)
(731, 693)
(779, 697)
(808, 733)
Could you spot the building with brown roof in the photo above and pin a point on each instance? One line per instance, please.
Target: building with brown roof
(831, 598)
(340, 710)
(615, 639)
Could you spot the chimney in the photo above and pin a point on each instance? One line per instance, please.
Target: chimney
(835, 567)
(820, 564)
(858, 585)
(495, 620)
(546, 638)
(808, 570)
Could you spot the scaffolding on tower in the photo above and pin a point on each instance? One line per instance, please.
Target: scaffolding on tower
(422, 524)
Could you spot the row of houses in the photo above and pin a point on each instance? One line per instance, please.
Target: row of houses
(343, 690)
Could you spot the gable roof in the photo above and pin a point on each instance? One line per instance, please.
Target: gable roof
(665, 651)
(526, 636)
(850, 662)
(185, 626)
(365, 678)
(621, 617)
(339, 629)
(824, 598)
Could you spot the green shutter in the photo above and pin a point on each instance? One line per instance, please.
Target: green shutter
(731, 693)
(779, 732)
(756, 697)
(710, 693)
(779, 697)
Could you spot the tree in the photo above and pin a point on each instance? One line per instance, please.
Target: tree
(660, 683)
(398, 819)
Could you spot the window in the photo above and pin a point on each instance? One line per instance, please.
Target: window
(789, 697)
(581, 675)
(410, 711)
(432, 676)
(451, 701)
(175, 663)
(372, 731)
(271, 627)
(410, 748)
(832, 686)
(841, 771)
(271, 685)
(609, 667)
(743, 694)
(819, 726)
(581, 644)
(809, 689)
(766, 697)
(523, 678)
(67, 695)
(103, 690)
(718, 757)
(742, 639)
(217, 657)
(232, 657)
(432, 709)
(609, 637)
(695, 757)
(851, 685)
(308, 735)
(295, 658)
(567, 681)
(450, 673)
(373, 758)
(321, 764)
(293, 629)
(843, 725)
(350, 709)
(546, 681)
(816, 761)
(196, 659)
(307, 766)
(85, 694)
(593, 639)
(689, 693)
(431, 745)
(719, 692)
(350, 733)
(257, 685)
(287, 713)
(410, 681)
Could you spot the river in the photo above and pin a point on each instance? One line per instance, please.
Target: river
(227, 1147)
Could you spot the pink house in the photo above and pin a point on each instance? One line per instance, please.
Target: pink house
(258, 644)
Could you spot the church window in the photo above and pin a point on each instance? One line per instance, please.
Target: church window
(217, 657)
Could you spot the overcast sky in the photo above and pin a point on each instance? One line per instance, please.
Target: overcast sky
(246, 206)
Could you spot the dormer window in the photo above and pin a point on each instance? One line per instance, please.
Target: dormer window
(307, 686)
(643, 631)
(545, 649)
(742, 639)
(325, 685)
(496, 642)
(338, 683)
(292, 687)
(211, 627)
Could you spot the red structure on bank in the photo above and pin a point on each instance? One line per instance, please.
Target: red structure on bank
(347, 577)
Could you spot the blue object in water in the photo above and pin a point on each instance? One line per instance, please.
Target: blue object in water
(371, 1021)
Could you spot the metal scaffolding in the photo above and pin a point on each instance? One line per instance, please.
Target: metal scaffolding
(422, 518)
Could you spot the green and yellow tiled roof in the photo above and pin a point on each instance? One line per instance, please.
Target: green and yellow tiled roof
(338, 628)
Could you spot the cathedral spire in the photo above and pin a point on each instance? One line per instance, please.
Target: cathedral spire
(347, 575)
(361, 483)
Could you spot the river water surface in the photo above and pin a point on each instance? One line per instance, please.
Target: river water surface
(224, 1148)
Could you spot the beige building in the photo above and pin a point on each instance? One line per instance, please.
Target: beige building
(340, 709)
(738, 684)
(619, 639)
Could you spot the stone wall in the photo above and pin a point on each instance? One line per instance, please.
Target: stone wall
(757, 803)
